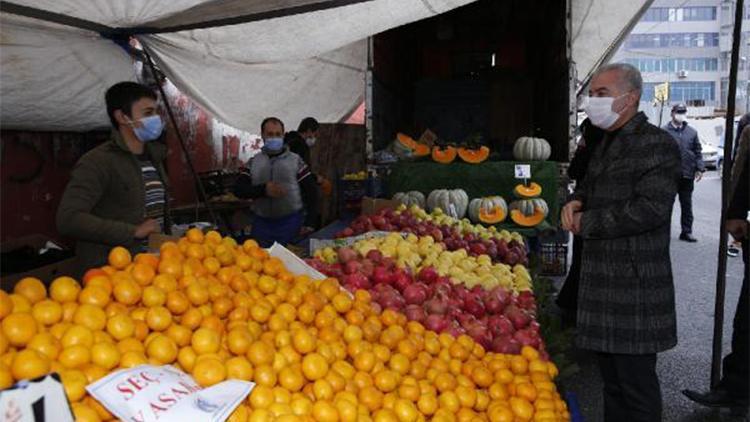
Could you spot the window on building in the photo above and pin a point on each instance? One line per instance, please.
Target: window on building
(679, 40)
(692, 91)
(703, 64)
(666, 14)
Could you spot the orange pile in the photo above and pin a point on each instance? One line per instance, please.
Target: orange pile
(222, 311)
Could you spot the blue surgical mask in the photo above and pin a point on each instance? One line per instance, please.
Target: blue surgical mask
(274, 144)
(150, 129)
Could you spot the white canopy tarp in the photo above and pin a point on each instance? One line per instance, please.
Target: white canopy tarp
(293, 66)
(310, 62)
(598, 27)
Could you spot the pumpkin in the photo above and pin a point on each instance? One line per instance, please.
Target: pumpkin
(474, 155)
(421, 150)
(528, 148)
(528, 212)
(490, 210)
(453, 201)
(531, 191)
(410, 198)
(444, 155)
(407, 141)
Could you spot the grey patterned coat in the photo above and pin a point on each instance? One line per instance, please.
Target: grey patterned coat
(626, 295)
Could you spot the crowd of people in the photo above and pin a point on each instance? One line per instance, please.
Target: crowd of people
(620, 286)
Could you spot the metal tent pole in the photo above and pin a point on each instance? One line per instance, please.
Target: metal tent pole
(721, 270)
(202, 197)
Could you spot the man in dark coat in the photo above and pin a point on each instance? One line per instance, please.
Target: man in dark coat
(733, 390)
(622, 210)
(692, 166)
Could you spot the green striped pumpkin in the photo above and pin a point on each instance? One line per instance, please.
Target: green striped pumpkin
(528, 148)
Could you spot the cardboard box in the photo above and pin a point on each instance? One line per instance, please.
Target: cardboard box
(46, 273)
(155, 240)
(372, 206)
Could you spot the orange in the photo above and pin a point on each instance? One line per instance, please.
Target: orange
(6, 304)
(143, 274)
(119, 257)
(445, 382)
(208, 372)
(74, 356)
(94, 295)
(265, 375)
(19, 328)
(239, 341)
(187, 357)
(482, 376)
(90, 316)
(405, 411)
(205, 340)
(105, 355)
(222, 306)
(195, 235)
(180, 334)
(239, 368)
(132, 359)
(6, 377)
(314, 366)
(84, 413)
(291, 379)
(303, 341)
(386, 381)
(47, 312)
(163, 349)
(91, 273)
(120, 326)
(171, 266)
(77, 335)
(31, 288)
(64, 289)
(519, 365)
(261, 397)
(46, 344)
(158, 318)
(260, 353)
(177, 302)
(399, 363)
(191, 318)
(146, 258)
(127, 292)
(28, 364)
(342, 303)
(324, 411)
(501, 414)
(20, 303)
(197, 294)
(100, 410)
(522, 409)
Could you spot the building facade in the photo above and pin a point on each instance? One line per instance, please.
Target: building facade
(688, 44)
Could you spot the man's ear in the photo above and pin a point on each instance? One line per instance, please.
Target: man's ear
(121, 118)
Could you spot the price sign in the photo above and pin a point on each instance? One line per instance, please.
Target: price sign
(523, 171)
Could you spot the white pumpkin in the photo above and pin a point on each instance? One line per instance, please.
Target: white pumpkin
(528, 148)
(490, 209)
(413, 197)
(453, 202)
(529, 207)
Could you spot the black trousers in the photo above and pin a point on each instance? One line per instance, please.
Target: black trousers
(735, 374)
(631, 388)
(567, 298)
(685, 193)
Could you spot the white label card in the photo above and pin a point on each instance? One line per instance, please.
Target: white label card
(523, 171)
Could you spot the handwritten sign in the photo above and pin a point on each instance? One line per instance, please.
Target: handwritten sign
(523, 171)
(163, 393)
(42, 399)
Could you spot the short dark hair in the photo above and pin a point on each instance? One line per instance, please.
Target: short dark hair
(122, 96)
(308, 124)
(269, 120)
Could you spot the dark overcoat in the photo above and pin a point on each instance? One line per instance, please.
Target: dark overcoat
(626, 297)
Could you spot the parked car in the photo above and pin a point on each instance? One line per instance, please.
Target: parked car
(713, 156)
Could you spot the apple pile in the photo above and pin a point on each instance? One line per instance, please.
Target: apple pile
(497, 319)
(454, 234)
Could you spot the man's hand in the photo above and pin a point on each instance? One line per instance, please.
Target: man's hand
(146, 228)
(737, 228)
(569, 219)
(275, 190)
(698, 176)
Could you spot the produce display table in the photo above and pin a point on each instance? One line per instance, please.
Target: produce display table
(485, 179)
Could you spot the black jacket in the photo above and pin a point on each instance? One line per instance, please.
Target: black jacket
(690, 148)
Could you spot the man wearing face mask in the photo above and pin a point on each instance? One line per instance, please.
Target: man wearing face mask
(622, 210)
(117, 194)
(278, 181)
(692, 166)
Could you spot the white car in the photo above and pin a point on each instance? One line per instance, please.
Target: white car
(712, 157)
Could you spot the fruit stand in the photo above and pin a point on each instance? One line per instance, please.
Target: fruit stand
(315, 349)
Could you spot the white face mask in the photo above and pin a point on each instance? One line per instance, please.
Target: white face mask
(599, 110)
(310, 141)
(679, 118)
